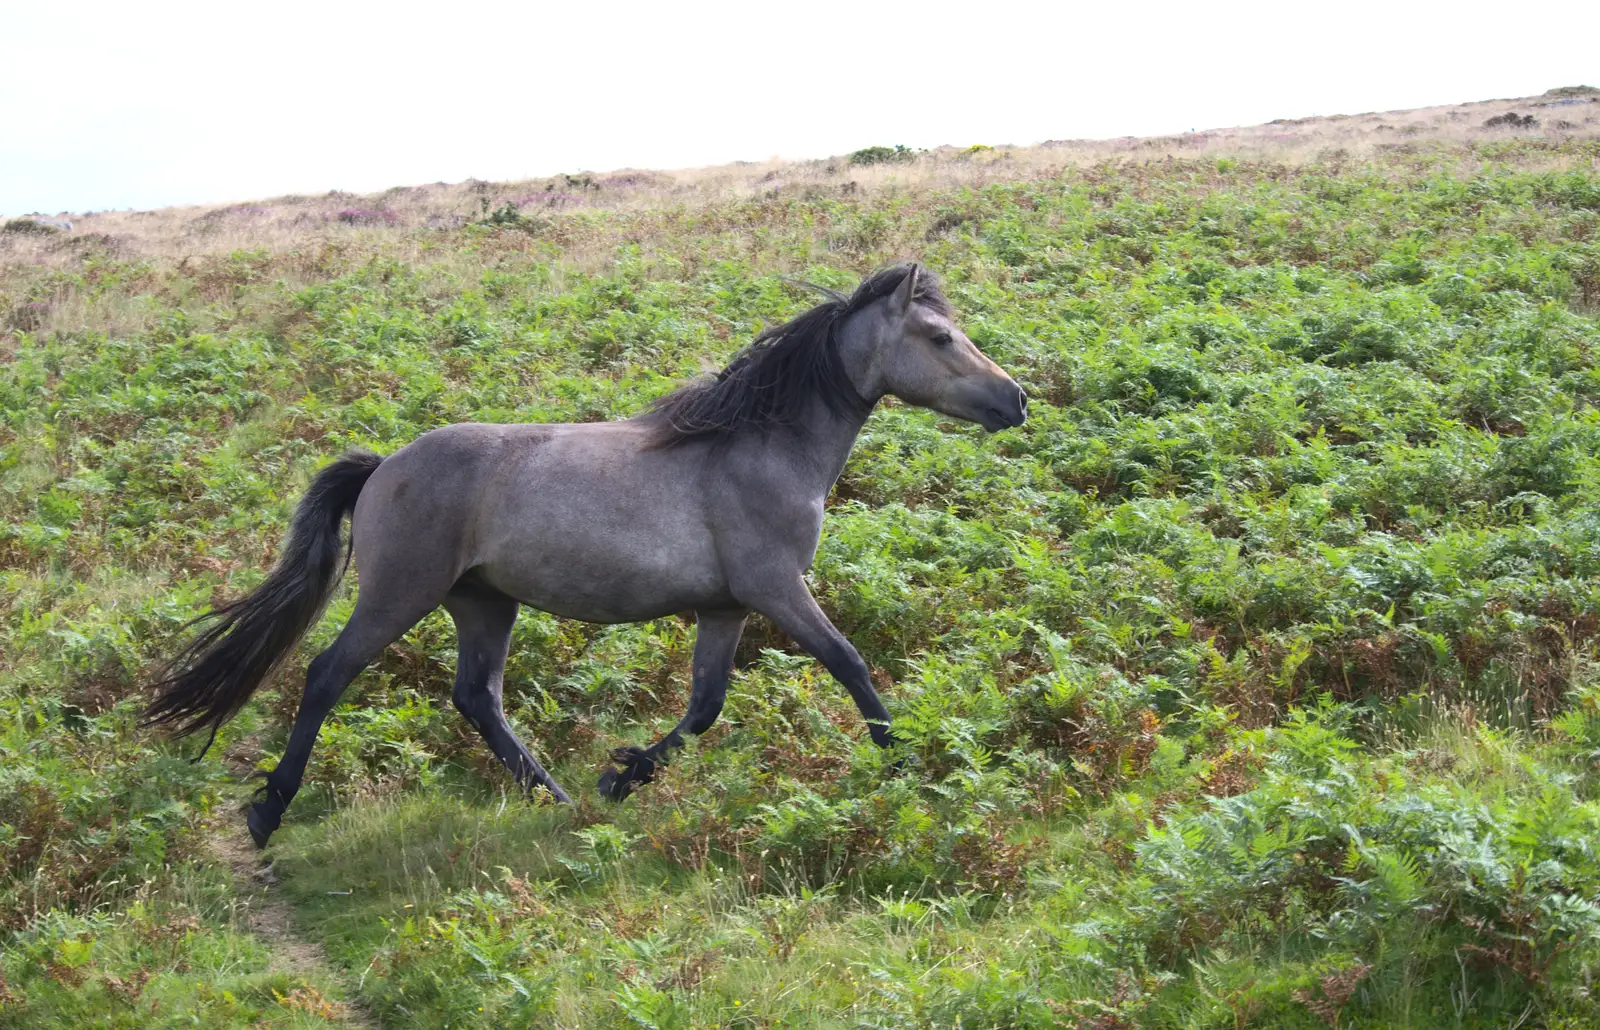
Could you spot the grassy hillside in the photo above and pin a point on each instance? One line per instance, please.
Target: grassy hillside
(1252, 683)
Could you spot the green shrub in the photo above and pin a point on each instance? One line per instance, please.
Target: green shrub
(896, 154)
(27, 227)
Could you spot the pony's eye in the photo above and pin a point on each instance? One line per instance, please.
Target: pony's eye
(942, 340)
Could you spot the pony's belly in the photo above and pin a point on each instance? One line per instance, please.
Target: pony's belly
(588, 526)
(610, 591)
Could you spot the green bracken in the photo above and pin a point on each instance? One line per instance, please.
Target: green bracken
(1252, 683)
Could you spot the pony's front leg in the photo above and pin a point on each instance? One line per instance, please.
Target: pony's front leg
(716, 637)
(789, 604)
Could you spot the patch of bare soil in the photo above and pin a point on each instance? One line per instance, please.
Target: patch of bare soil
(268, 917)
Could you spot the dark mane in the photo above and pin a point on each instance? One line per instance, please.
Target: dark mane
(771, 382)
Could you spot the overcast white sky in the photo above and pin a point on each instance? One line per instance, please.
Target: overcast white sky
(145, 104)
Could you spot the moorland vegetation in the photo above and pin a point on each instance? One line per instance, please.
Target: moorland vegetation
(1253, 682)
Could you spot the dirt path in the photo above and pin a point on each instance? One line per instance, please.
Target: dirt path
(269, 918)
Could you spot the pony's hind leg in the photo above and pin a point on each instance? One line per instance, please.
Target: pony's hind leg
(483, 618)
(372, 627)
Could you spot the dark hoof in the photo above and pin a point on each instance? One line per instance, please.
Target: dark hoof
(634, 757)
(614, 785)
(261, 823)
(637, 767)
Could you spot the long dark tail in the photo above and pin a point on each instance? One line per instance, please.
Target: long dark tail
(211, 679)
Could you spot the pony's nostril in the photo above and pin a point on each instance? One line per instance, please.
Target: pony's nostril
(1022, 400)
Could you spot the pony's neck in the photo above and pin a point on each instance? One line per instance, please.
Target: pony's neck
(823, 445)
(827, 435)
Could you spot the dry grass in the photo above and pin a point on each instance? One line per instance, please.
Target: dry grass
(348, 221)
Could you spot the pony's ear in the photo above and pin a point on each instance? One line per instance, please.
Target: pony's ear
(906, 292)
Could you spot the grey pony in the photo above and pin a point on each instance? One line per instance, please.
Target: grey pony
(711, 502)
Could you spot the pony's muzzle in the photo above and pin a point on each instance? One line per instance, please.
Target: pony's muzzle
(1008, 410)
